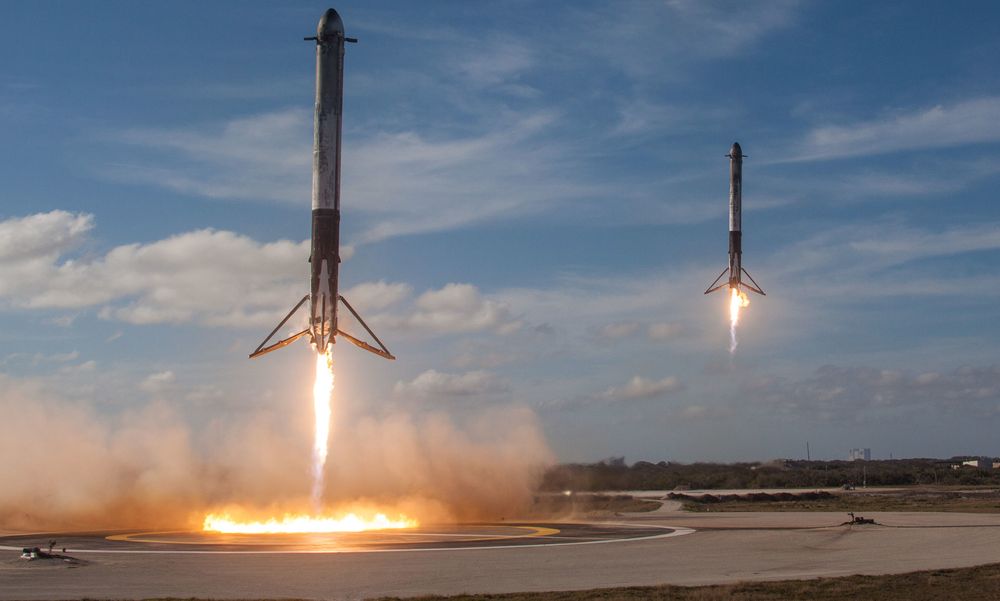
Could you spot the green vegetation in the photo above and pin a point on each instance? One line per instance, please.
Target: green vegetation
(969, 584)
(643, 475)
(558, 504)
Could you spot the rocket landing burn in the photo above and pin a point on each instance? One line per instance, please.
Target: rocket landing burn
(735, 283)
(324, 258)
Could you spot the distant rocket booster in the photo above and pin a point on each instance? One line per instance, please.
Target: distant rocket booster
(324, 258)
(735, 269)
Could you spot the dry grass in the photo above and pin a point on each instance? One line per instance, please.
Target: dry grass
(920, 499)
(589, 503)
(968, 584)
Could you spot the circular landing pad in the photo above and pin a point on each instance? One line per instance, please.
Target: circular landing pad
(425, 538)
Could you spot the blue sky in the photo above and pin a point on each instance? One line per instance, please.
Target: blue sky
(534, 200)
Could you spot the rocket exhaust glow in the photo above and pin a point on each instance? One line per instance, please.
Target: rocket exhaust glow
(737, 300)
(304, 524)
(322, 391)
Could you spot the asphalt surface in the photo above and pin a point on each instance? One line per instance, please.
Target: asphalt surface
(723, 548)
(428, 538)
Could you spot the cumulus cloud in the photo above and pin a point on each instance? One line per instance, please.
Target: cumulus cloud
(642, 388)
(457, 308)
(27, 241)
(375, 296)
(211, 277)
(432, 383)
(205, 276)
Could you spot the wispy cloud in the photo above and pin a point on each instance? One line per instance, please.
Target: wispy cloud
(657, 38)
(399, 182)
(853, 251)
(158, 382)
(640, 117)
(854, 394)
(618, 329)
(261, 157)
(37, 359)
(414, 184)
(487, 137)
(498, 63)
(972, 121)
(659, 331)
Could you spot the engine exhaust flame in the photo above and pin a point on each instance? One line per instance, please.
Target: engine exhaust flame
(291, 523)
(304, 524)
(737, 300)
(322, 391)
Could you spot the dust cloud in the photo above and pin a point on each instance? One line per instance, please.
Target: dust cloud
(71, 465)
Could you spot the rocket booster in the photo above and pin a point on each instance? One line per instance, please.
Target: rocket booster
(324, 258)
(735, 269)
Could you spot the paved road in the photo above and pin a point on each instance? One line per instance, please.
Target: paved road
(724, 548)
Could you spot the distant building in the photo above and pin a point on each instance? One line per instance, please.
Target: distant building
(983, 463)
(859, 455)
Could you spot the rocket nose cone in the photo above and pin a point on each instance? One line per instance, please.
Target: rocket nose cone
(736, 150)
(330, 24)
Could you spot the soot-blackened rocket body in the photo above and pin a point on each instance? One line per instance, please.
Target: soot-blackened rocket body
(324, 257)
(735, 269)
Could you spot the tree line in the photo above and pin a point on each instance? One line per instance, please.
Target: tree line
(615, 474)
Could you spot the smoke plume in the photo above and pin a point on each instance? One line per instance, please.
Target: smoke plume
(85, 465)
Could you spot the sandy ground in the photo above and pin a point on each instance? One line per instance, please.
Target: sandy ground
(725, 548)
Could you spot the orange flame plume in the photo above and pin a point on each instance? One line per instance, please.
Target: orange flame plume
(303, 523)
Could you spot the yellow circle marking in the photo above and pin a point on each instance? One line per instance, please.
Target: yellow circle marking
(533, 532)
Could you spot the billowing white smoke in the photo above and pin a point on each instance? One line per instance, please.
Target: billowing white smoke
(484, 468)
(66, 464)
